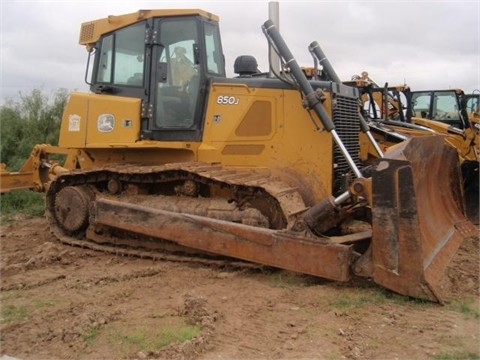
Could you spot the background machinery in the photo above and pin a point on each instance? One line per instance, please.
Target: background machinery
(396, 113)
(167, 153)
(456, 114)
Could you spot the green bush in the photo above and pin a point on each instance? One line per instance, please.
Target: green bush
(23, 201)
(29, 120)
(25, 121)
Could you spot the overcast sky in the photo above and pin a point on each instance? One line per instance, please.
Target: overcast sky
(426, 44)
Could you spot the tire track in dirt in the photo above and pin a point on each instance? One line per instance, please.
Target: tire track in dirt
(260, 321)
(362, 334)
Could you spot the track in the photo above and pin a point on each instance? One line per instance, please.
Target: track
(193, 188)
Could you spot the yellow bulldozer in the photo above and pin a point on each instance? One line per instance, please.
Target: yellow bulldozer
(168, 153)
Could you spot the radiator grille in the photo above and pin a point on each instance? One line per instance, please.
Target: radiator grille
(347, 124)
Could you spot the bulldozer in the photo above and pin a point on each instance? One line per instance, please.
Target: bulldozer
(167, 153)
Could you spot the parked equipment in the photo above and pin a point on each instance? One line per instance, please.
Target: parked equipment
(450, 113)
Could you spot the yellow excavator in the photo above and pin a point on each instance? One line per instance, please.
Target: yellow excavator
(456, 114)
(396, 113)
(167, 153)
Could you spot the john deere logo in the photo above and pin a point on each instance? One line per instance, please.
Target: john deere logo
(106, 123)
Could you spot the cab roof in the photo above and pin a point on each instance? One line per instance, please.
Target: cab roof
(91, 31)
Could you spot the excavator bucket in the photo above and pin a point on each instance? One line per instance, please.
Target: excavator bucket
(419, 217)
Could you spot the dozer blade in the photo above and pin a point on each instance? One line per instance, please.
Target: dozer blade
(419, 217)
(277, 248)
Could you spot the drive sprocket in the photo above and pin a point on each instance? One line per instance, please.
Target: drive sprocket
(72, 208)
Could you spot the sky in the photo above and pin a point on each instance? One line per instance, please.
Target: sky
(425, 44)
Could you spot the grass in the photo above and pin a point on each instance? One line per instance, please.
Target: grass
(42, 303)
(22, 201)
(357, 298)
(148, 339)
(13, 314)
(458, 356)
(364, 294)
(374, 296)
(286, 279)
(469, 312)
(467, 307)
(91, 336)
(348, 301)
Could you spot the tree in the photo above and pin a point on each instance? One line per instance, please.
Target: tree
(29, 120)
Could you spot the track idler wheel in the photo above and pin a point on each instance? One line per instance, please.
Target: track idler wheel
(72, 208)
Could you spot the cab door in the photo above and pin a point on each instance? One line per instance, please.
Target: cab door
(183, 58)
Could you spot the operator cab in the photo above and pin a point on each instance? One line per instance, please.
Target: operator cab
(166, 62)
(441, 105)
(473, 104)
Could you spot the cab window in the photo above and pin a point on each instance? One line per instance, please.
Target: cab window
(473, 105)
(445, 106)
(213, 48)
(122, 57)
(421, 104)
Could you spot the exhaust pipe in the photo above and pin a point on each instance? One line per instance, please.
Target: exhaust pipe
(273, 58)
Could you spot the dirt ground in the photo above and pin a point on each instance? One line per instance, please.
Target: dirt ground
(63, 302)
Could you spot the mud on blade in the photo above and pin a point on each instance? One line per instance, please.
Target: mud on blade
(419, 217)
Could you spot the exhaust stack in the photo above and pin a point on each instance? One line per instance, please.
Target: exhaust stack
(273, 58)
